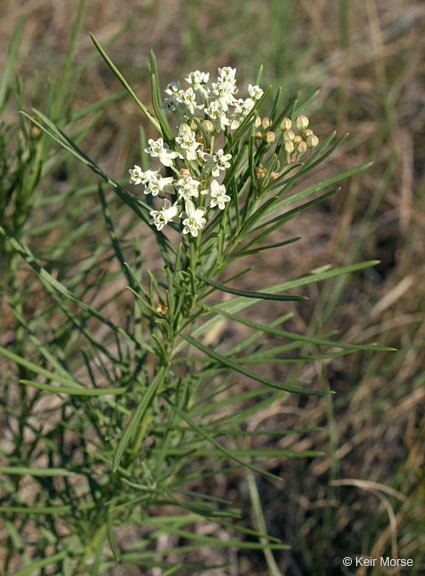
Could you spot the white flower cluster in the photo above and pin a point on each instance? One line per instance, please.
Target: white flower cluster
(196, 191)
(216, 101)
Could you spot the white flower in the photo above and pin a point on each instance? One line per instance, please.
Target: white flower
(225, 88)
(199, 80)
(216, 162)
(225, 92)
(227, 74)
(188, 187)
(170, 104)
(242, 109)
(154, 183)
(255, 92)
(157, 185)
(161, 217)
(217, 112)
(187, 141)
(197, 77)
(138, 176)
(188, 98)
(157, 150)
(193, 218)
(218, 195)
(172, 88)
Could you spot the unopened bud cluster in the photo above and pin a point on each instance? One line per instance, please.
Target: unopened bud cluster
(263, 131)
(297, 137)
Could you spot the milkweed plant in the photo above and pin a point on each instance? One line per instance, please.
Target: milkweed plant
(148, 414)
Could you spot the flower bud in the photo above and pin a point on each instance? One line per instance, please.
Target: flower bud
(162, 309)
(289, 146)
(274, 175)
(184, 128)
(35, 131)
(297, 139)
(270, 137)
(184, 172)
(258, 135)
(286, 124)
(208, 126)
(302, 147)
(265, 123)
(257, 122)
(307, 133)
(312, 141)
(288, 135)
(301, 122)
(260, 172)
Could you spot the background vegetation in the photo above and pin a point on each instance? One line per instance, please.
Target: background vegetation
(367, 494)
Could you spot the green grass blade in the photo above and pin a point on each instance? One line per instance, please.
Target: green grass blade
(58, 102)
(13, 49)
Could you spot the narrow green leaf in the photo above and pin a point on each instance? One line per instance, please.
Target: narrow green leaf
(110, 533)
(231, 543)
(157, 100)
(46, 510)
(37, 369)
(244, 252)
(251, 294)
(137, 417)
(172, 570)
(297, 337)
(44, 472)
(74, 391)
(35, 566)
(247, 452)
(233, 365)
(53, 285)
(287, 201)
(126, 85)
(221, 449)
(237, 304)
(112, 236)
(267, 227)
